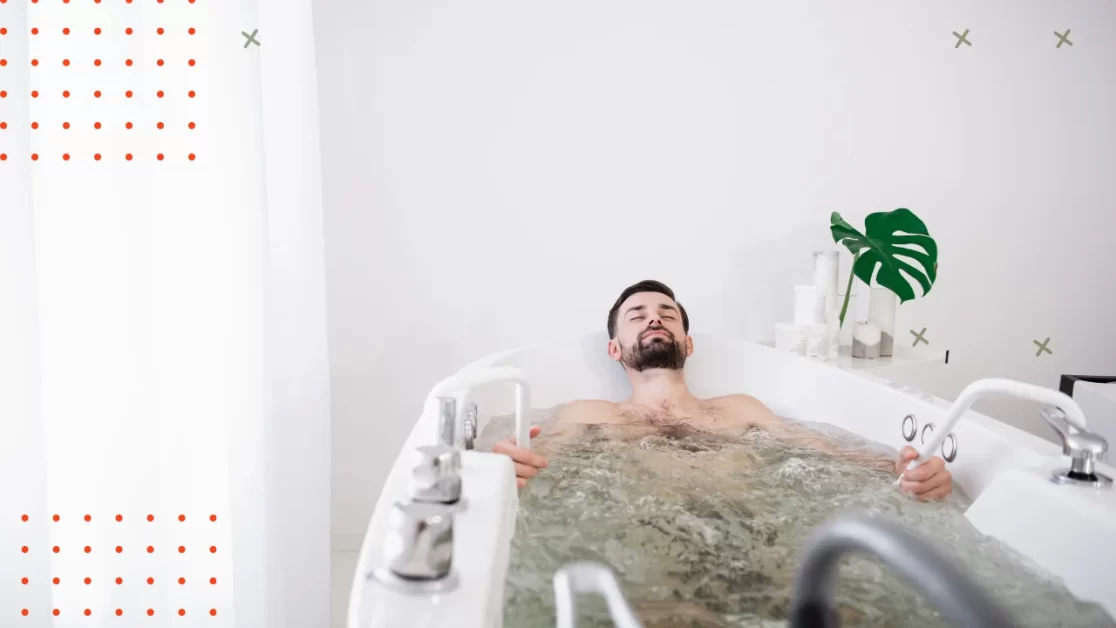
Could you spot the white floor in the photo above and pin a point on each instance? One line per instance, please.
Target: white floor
(342, 565)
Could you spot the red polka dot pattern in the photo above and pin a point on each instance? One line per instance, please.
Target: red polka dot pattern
(81, 520)
(79, 101)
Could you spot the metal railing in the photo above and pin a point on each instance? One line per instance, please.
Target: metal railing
(588, 577)
(813, 603)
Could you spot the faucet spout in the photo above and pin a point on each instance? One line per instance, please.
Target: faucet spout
(955, 595)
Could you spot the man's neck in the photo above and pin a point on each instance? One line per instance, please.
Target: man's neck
(660, 388)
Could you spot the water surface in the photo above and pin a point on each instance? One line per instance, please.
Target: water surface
(705, 530)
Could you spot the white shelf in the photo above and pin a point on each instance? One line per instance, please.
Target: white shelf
(876, 369)
(903, 356)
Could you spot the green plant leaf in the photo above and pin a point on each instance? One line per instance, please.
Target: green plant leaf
(889, 242)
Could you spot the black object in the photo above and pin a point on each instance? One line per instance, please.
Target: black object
(947, 356)
(1066, 385)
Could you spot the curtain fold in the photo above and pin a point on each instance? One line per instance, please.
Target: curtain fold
(164, 415)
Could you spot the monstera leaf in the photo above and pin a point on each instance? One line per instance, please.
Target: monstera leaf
(897, 243)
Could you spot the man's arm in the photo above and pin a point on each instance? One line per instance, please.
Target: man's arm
(565, 424)
(756, 413)
(785, 430)
(929, 481)
(527, 463)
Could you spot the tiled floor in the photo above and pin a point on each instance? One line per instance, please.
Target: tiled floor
(342, 565)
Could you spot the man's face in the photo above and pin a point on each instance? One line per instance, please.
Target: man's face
(649, 333)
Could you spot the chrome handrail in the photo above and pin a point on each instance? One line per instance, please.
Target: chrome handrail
(813, 603)
(589, 577)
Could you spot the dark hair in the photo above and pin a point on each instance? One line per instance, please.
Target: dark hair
(647, 285)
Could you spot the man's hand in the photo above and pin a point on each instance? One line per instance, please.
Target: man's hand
(527, 462)
(930, 480)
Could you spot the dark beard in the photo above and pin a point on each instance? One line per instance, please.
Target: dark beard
(659, 353)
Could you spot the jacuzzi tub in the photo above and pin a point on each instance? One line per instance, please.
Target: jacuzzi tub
(1068, 529)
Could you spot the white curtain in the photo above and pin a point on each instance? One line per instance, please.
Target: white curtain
(163, 351)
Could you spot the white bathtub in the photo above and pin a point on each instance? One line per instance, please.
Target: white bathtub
(1069, 530)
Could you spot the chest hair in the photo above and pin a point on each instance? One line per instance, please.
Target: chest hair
(670, 420)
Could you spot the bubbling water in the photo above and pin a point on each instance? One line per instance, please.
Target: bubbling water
(706, 529)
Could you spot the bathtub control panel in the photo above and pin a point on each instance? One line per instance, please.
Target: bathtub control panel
(911, 431)
(414, 570)
(417, 553)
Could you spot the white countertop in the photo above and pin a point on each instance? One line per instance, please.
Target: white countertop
(903, 356)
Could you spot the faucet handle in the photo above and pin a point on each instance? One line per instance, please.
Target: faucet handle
(447, 421)
(1084, 448)
(470, 426)
(420, 546)
(437, 476)
(1075, 442)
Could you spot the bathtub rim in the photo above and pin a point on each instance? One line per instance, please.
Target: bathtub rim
(1038, 445)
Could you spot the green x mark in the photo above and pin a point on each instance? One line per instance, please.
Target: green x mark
(1042, 347)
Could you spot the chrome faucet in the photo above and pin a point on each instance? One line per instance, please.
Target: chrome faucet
(436, 479)
(447, 421)
(1084, 449)
(461, 383)
(469, 432)
(814, 604)
(418, 551)
(422, 546)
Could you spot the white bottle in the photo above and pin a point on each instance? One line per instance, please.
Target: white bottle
(808, 307)
(825, 277)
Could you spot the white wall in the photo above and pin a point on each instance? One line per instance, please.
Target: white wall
(496, 171)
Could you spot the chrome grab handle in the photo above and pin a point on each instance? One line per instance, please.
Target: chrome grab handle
(588, 577)
(814, 604)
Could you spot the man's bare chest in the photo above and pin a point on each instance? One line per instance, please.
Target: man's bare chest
(705, 417)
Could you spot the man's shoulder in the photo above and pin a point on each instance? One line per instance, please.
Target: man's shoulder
(592, 405)
(588, 410)
(737, 401)
(744, 406)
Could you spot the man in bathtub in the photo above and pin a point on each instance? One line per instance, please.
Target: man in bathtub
(648, 336)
